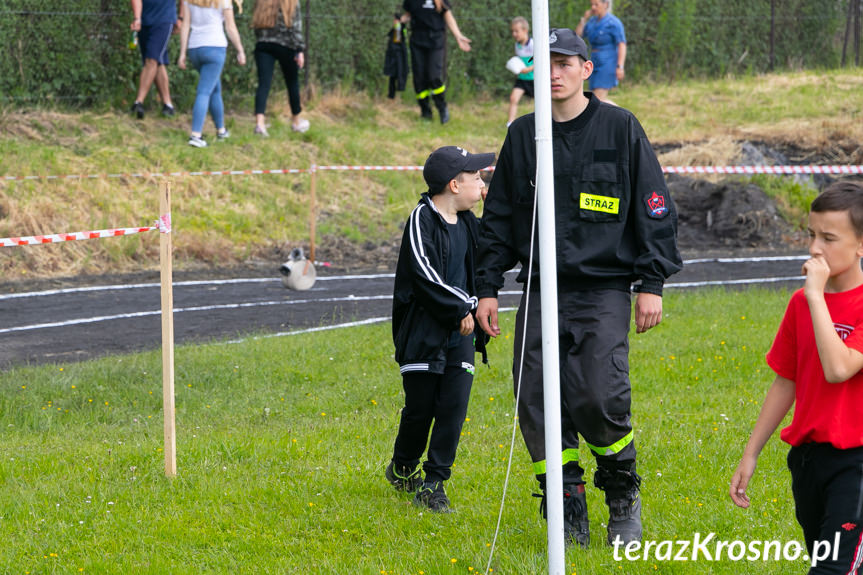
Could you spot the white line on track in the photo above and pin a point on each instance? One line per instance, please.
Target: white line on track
(189, 309)
(312, 329)
(337, 278)
(342, 299)
(179, 284)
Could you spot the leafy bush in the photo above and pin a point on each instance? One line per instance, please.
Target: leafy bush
(79, 56)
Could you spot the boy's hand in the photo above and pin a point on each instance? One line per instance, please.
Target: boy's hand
(648, 311)
(464, 43)
(486, 315)
(817, 272)
(466, 327)
(740, 481)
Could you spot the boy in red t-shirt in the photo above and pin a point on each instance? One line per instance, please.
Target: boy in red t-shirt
(818, 356)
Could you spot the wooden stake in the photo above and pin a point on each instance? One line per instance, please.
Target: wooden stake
(312, 209)
(167, 329)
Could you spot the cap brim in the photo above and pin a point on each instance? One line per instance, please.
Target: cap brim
(477, 162)
(566, 52)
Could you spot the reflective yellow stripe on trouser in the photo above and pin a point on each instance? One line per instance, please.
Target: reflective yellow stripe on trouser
(567, 456)
(614, 447)
(423, 95)
(440, 90)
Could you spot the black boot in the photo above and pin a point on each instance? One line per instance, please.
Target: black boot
(425, 108)
(621, 485)
(576, 527)
(440, 104)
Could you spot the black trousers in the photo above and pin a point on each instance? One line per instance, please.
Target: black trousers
(594, 379)
(438, 398)
(827, 484)
(427, 66)
(266, 56)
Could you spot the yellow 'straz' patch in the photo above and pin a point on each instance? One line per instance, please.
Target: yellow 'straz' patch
(599, 203)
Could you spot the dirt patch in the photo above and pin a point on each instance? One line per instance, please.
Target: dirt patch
(729, 214)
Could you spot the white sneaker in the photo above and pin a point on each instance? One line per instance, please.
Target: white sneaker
(197, 142)
(302, 126)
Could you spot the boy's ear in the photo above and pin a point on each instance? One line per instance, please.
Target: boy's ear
(453, 185)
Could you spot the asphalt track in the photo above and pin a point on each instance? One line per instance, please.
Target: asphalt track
(84, 322)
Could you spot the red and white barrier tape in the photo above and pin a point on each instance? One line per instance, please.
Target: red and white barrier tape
(160, 174)
(163, 225)
(846, 170)
(373, 168)
(763, 169)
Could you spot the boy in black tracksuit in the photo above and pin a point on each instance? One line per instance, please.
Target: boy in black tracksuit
(433, 325)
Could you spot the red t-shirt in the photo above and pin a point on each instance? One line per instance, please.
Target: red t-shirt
(824, 412)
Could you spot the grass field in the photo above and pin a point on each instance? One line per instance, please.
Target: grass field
(232, 220)
(282, 444)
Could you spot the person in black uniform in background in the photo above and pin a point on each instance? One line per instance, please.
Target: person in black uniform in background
(616, 225)
(428, 19)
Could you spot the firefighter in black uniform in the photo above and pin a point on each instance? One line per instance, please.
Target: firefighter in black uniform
(616, 226)
(429, 20)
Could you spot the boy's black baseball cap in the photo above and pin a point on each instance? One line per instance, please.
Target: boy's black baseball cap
(566, 41)
(445, 163)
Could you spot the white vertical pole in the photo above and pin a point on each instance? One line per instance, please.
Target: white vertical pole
(167, 329)
(548, 287)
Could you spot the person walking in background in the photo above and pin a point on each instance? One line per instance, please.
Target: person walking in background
(524, 51)
(202, 37)
(617, 231)
(154, 21)
(278, 28)
(429, 20)
(604, 31)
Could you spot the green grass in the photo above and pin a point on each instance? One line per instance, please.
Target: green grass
(282, 444)
(792, 198)
(228, 220)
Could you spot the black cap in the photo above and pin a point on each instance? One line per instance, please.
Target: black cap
(565, 41)
(444, 164)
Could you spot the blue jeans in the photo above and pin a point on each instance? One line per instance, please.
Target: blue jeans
(208, 61)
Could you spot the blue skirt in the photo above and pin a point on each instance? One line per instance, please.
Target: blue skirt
(604, 69)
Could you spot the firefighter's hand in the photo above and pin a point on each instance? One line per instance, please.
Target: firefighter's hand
(486, 315)
(648, 311)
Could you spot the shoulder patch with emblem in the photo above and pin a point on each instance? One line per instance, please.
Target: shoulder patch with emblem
(657, 207)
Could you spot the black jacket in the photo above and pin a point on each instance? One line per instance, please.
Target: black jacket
(396, 59)
(426, 310)
(615, 221)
